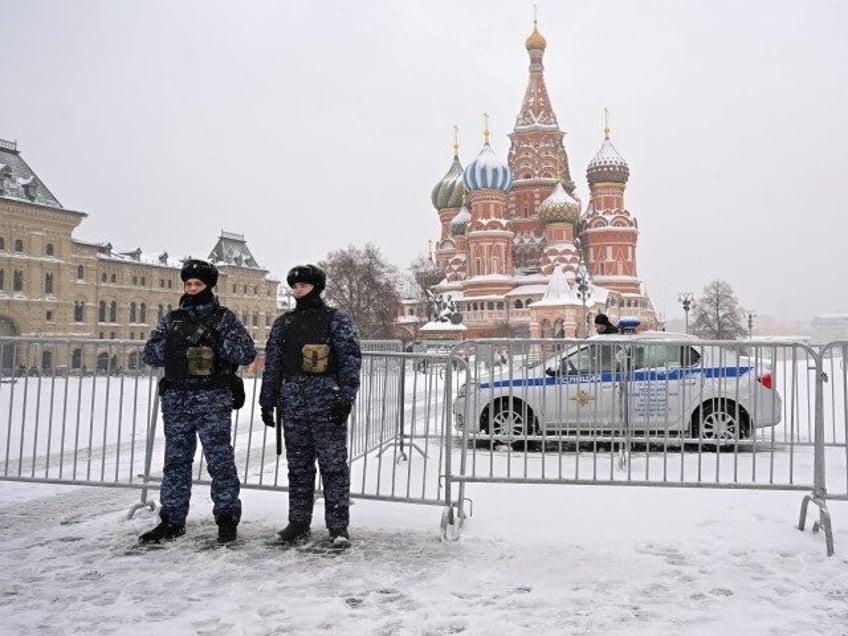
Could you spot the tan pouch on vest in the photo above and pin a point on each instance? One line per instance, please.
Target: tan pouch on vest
(315, 358)
(200, 361)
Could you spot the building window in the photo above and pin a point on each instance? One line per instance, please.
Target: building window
(2, 243)
(244, 289)
(161, 282)
(160, 312)
(113, 311)
(2, 280)
(19, 245)
(80, 272)
(235, 287)
(48, 249)
(143, 281)
(142, 313)
(103, 277)
(101, 335)
(46, 360)
(132, 312)
(170, 284)
(112, 279)
(135, 280)
(48, 316)
(76, 359)
(18, 281)
(255, 320)
(255, 291)
(48, 283)
(101, 312)
(78, 311)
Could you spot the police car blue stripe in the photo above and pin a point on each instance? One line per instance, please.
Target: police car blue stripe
(638, 376)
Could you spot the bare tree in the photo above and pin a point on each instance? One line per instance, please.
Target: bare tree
(718, 315)
(362, 283)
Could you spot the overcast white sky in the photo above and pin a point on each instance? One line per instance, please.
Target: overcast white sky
(312, 125)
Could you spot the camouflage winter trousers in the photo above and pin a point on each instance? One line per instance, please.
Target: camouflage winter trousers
(182, 428)
(326, 441)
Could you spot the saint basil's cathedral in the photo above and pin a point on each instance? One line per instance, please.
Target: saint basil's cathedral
(521, 257)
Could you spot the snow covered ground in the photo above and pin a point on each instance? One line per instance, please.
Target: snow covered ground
(533, 559)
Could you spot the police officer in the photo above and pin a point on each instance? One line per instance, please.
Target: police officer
(603, 325)
(312, 376)
(201, 345)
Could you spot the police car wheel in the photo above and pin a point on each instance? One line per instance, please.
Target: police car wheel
(721, 421)
(511, 418)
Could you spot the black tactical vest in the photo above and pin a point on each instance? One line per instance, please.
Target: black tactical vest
(305, 327)
(191, 351)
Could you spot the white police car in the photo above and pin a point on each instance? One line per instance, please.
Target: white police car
(655, 384)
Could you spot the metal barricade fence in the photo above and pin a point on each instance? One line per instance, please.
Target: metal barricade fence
(650, 411)
(614, 411)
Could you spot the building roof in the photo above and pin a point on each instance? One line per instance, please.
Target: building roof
(18, 181)
(231, 249)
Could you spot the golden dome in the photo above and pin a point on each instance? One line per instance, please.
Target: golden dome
(535, 41)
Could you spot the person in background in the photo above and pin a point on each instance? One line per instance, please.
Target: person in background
(201, 345)
(311, 376)
(603, 325)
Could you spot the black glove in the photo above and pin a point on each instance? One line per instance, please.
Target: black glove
(268, 416)
(340, 409)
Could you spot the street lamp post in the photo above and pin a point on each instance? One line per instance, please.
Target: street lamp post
(584, 291)
(751, 316)
(687, 299)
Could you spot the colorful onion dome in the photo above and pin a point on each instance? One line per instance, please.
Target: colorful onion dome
(461, 220)
(487, 171)
(448, 192)
(535, 41)
(608, 166)
(559, 207)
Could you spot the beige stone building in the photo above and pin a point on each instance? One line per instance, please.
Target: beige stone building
(53, 285)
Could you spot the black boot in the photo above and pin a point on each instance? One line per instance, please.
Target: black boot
(163, 532)
(227, 529)
(294, 532)
(339, 537)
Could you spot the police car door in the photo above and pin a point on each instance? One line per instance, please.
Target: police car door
(589, 395)
(662, 386)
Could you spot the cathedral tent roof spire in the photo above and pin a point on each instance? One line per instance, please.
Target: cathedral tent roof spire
(536, 108)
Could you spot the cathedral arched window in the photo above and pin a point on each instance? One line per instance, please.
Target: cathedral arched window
(132, 312)
(519, 304)
(78, 311)
(19, 245)
(101, 311)
(48, 249)
(80, 272)
(48, 283)
(142, 312)
(18, 281)
(113, 311)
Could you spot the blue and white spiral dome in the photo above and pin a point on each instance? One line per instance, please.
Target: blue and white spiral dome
(487, 172)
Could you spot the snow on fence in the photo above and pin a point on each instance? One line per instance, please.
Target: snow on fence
(619, 411)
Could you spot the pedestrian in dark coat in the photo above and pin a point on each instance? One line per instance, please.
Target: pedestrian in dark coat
(603, 325)
(312, 363)
(201, 345)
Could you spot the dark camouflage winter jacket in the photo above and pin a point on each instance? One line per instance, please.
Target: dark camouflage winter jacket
(311, 397)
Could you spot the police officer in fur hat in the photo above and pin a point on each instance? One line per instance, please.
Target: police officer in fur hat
(603, 325)
(201, 345)
(312, 377)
